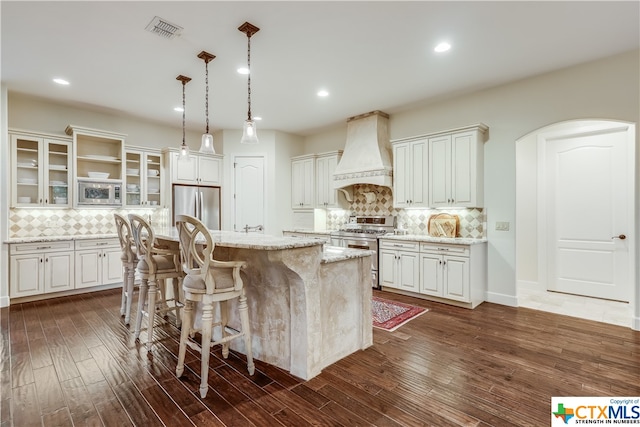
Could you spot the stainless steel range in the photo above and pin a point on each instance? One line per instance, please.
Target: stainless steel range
(362, 232)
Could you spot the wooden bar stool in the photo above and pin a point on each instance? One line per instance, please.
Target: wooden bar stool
(155, 265)
(130, 260)
(208, 282)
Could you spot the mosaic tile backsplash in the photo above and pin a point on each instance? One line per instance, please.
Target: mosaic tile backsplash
(74, 222)
(472, 220)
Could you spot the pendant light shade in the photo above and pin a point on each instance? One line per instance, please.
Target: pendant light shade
(249, 135)
(207, 139)
(184, 148)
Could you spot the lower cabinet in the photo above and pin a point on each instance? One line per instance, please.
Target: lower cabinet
(400, 265)
(40, 268)
(454, 273)
(98, 262)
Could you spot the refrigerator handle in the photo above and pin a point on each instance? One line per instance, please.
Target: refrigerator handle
(195, 205)
(201, 203)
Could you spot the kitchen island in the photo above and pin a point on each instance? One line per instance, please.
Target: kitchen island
(309, 304)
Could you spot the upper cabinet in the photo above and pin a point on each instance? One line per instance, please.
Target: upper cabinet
(326, 195)
(197, 169)
(410, 165)
(144, 171)
(40, 169)
(443, 169)
(99, 154)
(456, 168)
(303, 182)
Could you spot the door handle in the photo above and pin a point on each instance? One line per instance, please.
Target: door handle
(621, 237)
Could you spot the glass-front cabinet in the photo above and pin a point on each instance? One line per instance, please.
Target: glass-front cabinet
(41, 170)
(143, 178)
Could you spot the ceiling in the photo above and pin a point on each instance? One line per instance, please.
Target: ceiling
(368, 55)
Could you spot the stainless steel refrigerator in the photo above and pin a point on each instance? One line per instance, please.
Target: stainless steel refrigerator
(198, 201)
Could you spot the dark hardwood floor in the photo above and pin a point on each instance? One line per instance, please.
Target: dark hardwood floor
(71, 361)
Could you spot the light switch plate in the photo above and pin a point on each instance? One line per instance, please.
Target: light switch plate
(502, 226)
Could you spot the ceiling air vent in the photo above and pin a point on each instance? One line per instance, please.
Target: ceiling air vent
(163, 28)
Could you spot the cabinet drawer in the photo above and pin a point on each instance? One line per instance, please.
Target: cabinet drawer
(20, 248)
(458, 250)
(97, 243)
(399, 244)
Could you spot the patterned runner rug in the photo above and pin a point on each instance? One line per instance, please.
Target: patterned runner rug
(390, 315)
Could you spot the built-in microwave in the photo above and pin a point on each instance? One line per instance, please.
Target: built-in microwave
(99, 193)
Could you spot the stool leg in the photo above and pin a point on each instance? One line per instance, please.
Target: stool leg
(151, 310)
(187, 325)
(177, 299)
(131, 277)
(243, 308)
(142, 295)
(207, 320)
(224, 320)
(123, 303)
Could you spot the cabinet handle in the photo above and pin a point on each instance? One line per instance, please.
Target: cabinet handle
(440, 261)
(40, 200)
(443, 249)
(621, 237)
(102, 243)
(40, 260)
(46, 259)
(444, 262)
(43, 247)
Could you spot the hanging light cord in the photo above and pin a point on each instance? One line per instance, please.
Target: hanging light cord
(249, 77)
(183, 112)
(206, 97)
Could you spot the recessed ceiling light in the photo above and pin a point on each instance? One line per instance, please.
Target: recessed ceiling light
(243, 70)
(178, 109)
(61, 81)
(442, 47)
(322, 93)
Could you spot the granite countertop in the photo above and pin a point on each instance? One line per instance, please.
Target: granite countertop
(59, 238)
(423, 238)
(306, 230)
(241, 240)
(336, 253)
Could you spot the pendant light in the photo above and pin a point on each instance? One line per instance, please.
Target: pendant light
(249, 129)
(184, 148)
(207, 139)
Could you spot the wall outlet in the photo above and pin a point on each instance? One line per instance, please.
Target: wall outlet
(502, 226)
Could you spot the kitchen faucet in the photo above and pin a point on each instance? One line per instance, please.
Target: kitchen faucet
(254, 228)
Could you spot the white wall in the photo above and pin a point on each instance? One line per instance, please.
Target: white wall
(4, 199)
(606, 89)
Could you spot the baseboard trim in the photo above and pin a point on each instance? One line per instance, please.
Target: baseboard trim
(4, 302)
(635, 323)
(502, 299)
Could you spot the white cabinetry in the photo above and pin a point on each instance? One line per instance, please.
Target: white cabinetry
(38, 268)
(197, 169)
(326, 195)
(40, 170)
(456, 168)
(143, 178)
(454, 272)
(97, 262)
(400, 265)
(303, 182)
(410, 182)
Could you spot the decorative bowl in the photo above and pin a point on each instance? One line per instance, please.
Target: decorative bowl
(101, 175)
(133, 171)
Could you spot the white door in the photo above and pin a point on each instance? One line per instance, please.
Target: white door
(248, 193)
(589, 199)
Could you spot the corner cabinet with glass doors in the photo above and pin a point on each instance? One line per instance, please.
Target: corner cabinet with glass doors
(143, 178)
(41, 170)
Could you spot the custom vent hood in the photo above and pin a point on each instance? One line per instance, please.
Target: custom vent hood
(366, 158)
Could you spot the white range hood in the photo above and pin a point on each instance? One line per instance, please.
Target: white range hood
(366, 158)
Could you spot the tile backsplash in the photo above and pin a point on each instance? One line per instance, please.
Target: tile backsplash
(73, 222)
(472, 220)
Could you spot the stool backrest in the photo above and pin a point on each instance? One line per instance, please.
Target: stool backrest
(125, 236)
(143, 237)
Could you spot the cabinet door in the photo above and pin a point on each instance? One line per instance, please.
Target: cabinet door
(302, 184)
(26, 275)
(387, 269)
(184, 171)
(401, 175)
(152, 188)
(463, 169)
(135, 172)
(419, 174)
(431, 278)
(111, 266)
(27, 162)
(456, 278)
(57, 173)
(88, 268)
(209, 170)
(440, 171)
(58, 271)
(409, 271)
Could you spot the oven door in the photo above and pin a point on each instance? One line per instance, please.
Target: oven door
(367, 244)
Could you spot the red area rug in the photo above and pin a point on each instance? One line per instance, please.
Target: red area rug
(390, 315)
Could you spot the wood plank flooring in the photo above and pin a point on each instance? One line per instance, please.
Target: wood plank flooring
(71, 361)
